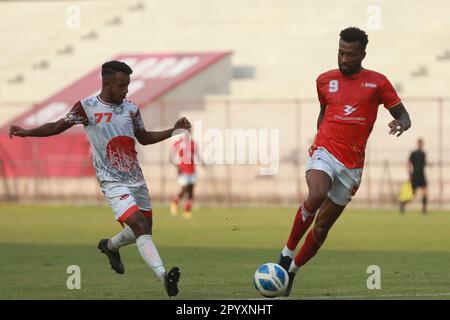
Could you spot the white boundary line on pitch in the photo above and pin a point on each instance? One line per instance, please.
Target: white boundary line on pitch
(416, 295)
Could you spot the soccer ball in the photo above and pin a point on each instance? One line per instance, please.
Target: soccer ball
(271, 280)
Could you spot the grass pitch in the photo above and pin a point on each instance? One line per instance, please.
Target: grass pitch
(218, 252)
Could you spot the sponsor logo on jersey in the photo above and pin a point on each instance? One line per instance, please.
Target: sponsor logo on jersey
(348, 110)
(368, 85)
(124, 196)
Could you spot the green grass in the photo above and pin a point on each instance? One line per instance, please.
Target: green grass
(218, 252)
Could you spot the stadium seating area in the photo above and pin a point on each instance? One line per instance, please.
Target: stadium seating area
(283, 45)
(287, 43)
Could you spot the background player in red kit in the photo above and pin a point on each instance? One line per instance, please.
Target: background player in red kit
(183, 153)
(349, 99)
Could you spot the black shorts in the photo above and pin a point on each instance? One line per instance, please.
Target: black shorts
(418, 182)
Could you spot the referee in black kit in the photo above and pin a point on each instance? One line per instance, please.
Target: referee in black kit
(416, 166)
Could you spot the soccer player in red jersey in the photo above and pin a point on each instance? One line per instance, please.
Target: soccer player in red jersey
(184, 152)
(349, 99)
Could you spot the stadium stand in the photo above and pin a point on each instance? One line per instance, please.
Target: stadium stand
(291, 41)
(285, 44)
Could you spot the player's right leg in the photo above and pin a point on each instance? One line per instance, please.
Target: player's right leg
(176, 200)
(110, 247)
(319, 177)
(319, 183)
(402, 206)
(424, 198)
(122, 203)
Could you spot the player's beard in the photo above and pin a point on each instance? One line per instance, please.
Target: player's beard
(349, 71)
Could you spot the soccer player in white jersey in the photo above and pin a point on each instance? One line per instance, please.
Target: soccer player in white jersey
(112, 125)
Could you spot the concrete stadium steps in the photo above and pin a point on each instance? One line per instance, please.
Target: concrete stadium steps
(288, 42)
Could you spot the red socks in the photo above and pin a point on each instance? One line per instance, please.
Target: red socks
(308, 250)
(299, 226)
(188, 205)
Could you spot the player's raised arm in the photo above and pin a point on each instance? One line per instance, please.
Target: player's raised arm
(150, 137)
(402, 121)
(76, 115)
(46, 130)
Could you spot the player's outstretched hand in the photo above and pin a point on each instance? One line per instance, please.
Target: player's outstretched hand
(17, 131)
(182, 123)
(397, 127)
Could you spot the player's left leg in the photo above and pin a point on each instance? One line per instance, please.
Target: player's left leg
(328, 213)
(142, 228)
(327, 216)
(171, 277)
(187, 214)
(424, 198)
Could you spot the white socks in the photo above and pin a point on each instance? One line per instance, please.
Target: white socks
(145, 246)
(293, 267)
(291, 253)
(287, 252)
(150, 255)
(123, 238)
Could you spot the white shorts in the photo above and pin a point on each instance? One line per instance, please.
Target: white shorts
(185, 179)
(126, 199)
(345, 181)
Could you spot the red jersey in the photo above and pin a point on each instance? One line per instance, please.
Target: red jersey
(185, 149)
(352, 105)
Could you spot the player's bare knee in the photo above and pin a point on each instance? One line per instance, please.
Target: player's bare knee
(141, 228)
(139, 224)
(316, 197)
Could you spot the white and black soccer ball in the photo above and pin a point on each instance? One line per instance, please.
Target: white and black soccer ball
(271, 280)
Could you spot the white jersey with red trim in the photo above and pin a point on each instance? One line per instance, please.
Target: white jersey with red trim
(111, 131)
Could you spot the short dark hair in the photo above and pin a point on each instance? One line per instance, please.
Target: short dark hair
(353, 34)
(111, 67)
